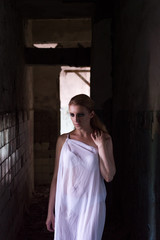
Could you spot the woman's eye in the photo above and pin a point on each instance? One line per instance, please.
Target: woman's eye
(80, 115)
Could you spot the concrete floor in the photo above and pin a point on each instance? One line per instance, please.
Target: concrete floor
(34, 220)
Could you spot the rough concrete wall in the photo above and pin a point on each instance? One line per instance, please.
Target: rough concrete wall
(101, 79)
(16, 124)
(66, 32)
(136, 120)
(46, 121)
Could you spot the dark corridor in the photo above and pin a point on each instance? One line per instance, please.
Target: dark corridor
(119, 42)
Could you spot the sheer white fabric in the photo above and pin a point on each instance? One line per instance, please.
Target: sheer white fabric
(80, 194)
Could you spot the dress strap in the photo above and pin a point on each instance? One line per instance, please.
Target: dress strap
(68, 135)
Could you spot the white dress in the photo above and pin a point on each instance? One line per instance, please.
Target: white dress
(80, 209)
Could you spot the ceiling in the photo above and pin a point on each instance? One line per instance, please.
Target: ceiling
(62, 9)
(54, 9)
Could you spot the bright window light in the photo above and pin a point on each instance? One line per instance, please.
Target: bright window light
(73, 81)
(45, 45)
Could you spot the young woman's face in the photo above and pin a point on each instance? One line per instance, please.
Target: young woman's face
(80, 116)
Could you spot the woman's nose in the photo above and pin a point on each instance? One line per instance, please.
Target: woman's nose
(76, 118)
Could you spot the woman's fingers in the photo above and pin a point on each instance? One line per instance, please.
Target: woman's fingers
(96, 136)
(50, 225)
(97, 133)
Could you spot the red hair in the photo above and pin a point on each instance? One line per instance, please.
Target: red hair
(88, 103)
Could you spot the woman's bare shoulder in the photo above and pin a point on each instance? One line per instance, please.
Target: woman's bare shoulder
(61, 139)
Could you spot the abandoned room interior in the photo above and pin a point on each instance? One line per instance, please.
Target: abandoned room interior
(51, 50)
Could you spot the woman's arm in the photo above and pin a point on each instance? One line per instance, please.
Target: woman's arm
(105, 150)
(51, 205)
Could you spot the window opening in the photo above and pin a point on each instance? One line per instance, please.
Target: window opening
(73, 81)
(45, 45)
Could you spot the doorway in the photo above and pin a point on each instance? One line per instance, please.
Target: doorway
(73, 81)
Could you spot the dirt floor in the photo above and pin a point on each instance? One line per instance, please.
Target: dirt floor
(34, 227)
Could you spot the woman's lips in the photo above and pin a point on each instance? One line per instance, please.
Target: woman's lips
(76, 124)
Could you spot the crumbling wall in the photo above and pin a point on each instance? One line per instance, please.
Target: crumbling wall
(16, 123)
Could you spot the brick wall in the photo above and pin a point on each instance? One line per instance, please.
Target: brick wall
(16, 123)
(16, 170)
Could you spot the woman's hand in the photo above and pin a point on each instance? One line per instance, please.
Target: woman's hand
(99, 138)
(105, 151)
(50, 223)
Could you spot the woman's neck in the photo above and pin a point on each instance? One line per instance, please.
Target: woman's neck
(83, 132)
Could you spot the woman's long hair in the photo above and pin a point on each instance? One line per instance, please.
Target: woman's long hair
(88, 103)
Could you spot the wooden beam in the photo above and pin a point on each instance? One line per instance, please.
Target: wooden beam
(47, 9)
(78, 57)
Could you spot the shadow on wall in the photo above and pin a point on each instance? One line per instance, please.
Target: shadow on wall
(45, 127)
(133, 212)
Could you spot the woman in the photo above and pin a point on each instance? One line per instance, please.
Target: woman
(84, 159)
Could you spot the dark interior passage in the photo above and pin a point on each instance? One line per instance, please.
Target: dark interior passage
(33, 226)
(120, 43)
